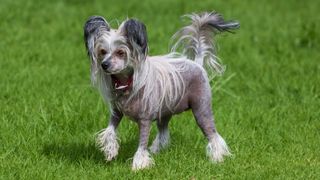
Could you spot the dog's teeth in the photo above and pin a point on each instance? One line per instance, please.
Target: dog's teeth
(121, 87)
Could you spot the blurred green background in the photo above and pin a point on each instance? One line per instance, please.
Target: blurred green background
(266, 104)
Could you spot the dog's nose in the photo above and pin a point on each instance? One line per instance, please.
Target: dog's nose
(105, 65)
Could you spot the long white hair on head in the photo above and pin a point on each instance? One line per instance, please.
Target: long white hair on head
(196, 40)
(94, 28)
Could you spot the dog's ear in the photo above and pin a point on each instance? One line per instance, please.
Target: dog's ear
(136, 33)
(92, 28)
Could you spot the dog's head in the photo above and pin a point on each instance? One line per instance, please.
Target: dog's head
(115, 51)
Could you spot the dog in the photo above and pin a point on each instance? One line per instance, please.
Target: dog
(147, 88)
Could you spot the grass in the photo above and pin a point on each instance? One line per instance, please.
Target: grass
(266, 104)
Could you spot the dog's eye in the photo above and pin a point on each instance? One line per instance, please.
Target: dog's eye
(102, 51)
(120, 53)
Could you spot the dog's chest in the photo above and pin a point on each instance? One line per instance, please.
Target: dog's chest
(128, 108)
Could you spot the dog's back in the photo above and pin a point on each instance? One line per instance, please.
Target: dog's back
(188, 77)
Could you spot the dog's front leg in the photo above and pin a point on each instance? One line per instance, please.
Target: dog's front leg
(107, 138)
(142, 158)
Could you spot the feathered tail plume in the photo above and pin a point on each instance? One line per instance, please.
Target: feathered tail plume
(196, 39)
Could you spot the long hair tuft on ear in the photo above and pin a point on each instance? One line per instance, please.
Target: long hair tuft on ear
(92, 28)
(136, 34)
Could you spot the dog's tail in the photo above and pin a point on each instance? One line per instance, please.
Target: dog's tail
(196, 39)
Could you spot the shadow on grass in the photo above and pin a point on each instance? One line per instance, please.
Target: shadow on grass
(78, 152)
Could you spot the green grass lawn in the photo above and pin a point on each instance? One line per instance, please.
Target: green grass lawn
(267, 104)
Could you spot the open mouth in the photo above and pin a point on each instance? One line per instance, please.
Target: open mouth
(122, 84)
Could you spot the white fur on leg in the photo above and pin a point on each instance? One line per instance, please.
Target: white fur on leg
(217, 148)
(107, 141)
(142, 159)
(160, 142)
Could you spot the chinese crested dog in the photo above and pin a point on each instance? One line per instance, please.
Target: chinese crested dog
(146, 88)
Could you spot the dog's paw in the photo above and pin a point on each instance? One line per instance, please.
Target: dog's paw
(142, 160)
(108, 143)
(217, 149)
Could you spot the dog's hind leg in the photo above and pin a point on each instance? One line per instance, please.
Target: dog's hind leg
(142, 159)
(163, 138)
(217, 147)
(107, 138)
